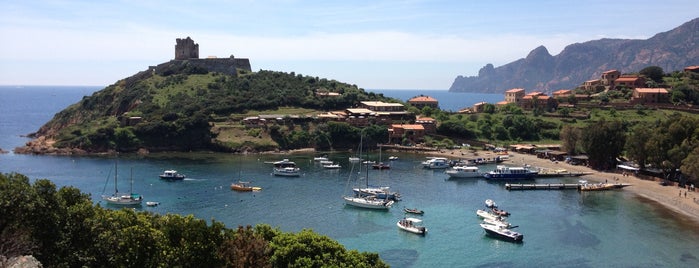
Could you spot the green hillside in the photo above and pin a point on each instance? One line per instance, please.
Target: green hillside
(189, 109)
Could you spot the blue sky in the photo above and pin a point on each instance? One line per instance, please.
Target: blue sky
(373, 44)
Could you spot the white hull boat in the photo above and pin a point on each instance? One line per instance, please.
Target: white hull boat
(412, 225)
(464, 172)
(368, 202)
(503, 233)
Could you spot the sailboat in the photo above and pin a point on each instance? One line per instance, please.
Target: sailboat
(130, 199)
(381, 165)
(366, 201)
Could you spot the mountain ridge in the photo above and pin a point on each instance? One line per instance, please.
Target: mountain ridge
(539, 70)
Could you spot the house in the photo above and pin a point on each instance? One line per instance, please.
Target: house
(514, 95)
(591, 85)
(536, 99)
(424, 101)
(563, 93)
(650, 95)
(430, 124)
(692, 69)
(630, 81)
(609, 77)
(479, 107)
(387, 112)
(413, 133)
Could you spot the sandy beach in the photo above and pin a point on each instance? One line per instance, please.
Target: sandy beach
(674, 198)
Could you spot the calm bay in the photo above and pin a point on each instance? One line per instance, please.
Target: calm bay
(561, 228)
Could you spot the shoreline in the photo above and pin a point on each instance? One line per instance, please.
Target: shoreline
(675, 198)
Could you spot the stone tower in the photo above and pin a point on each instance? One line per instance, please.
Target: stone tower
(186, 49)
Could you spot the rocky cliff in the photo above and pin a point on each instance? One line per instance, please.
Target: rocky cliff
(672, 50)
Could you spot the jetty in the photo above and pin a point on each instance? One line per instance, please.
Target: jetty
(565, 186)
(557, 173)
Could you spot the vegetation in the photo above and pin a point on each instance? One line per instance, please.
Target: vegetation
(62, 228)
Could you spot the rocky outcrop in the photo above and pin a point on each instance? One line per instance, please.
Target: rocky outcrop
(20, 262)
(577, 63)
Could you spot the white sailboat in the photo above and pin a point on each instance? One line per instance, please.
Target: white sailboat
(371, 202)
(123, 199)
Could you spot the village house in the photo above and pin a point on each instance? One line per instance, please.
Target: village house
(514, 95)
(413, 133)
(609, 77)
(479, 107)
(649, 96)
(692, 69)
(424, 101)
(630, 81)
(430, 124)
(387, 112)
(591, 85)
(536, 99)
(562, 95)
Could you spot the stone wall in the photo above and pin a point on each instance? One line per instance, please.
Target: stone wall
(224, 66)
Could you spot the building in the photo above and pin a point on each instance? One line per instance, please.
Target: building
(649, 96)
(562, 95)
(479, 107)
(430, 124)
(692, 69)
(609, 77)
(630, 81)
(186, 49)
(536, 99)
(591, 85)
(424, 101)
(514, 95)
(412, 133)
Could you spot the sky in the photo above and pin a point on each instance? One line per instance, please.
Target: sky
(374, 44)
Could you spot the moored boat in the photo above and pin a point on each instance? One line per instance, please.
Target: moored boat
(331, 166)
(490, 203)
(487, 215)
(244, 186)
(508, 173)
(127, 199)
(498, 222)
(368, 202)
(501, 232)
(436, 163)
(381, 166)
(413, 211)
(412, 225)
(464, 172)
(152, 203)
(172, 175)
(286, 168)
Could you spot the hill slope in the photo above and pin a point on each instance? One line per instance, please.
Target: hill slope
(177, 109)
(672, 50)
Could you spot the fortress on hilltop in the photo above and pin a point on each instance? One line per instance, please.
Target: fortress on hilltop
(187, 60)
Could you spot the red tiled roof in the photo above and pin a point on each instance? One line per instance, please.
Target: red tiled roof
(501, 103)
(693, 67)
(424, 119)
(627, 79)
(652, 90)
(535, 93)
(409, 126)
(610, 71)
(514, 90)
(423, 99)
(562, 92)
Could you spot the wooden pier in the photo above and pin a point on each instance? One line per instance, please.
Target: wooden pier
(547, 186)
(566, 186)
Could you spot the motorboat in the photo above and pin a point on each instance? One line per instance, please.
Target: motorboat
(412, 225)
(320, 158)
(436, 163)
(502, 172)
(381, 166)
(392, 158)
(326, 162)
(354, 159)
(332, 165)
(244, 186)
(368, 202)
(152, 203)
(413, 211)
(286, 168)
(498, 222)
(499, 212)
(501, 232)
(490, 203)
(172, 175)
(488, 215)
(464, 172)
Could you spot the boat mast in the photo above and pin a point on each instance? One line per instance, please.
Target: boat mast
(115, 177)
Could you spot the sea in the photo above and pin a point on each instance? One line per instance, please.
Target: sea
(561, 228)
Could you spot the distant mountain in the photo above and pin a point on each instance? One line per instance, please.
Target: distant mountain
(577, 63)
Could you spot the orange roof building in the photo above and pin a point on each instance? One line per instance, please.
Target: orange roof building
(414, 133)
(422, 101)
(650, 95)
(514, 95)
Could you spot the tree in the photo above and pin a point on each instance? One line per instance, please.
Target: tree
(636, 143)
(603, 141)
(569, 136)
(654, 73)
(690, 165)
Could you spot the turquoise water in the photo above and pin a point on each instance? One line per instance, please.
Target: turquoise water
(561, 228)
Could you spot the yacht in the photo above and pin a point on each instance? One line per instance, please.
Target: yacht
(286, 168)
(464, 172)
(505, 172)
(436, 163)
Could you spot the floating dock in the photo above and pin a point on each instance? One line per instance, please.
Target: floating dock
(547, 186)
(565, 186)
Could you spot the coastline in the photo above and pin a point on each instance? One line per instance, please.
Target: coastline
(674, 198)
